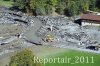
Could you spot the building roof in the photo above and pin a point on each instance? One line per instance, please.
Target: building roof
(90, 17)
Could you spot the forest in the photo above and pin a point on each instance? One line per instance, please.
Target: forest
(62, 7)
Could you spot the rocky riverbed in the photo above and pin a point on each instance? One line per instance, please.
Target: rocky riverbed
(31, 30)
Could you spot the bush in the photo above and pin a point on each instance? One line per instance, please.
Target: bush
(40, 11)
(6, 0)
(48, 9)
(23, 58)
(60, 10)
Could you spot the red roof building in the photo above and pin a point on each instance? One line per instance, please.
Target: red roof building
(91, 17)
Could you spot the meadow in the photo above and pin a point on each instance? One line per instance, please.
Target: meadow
(78, 58)
(5, 3)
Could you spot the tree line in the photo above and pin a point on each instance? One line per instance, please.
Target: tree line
(63, 7)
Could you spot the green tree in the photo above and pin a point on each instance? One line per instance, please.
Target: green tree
(6, 0)
(26, 5)
(40, 7)
(50, 6)
(53, 2)
(47, 7)
(84, 5)
(20, 4)
(72, 7)
(23, 58)
(98, 4)
(32, 4)
(61, 5)
(92, 4)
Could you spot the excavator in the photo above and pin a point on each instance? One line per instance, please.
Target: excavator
(48, 38)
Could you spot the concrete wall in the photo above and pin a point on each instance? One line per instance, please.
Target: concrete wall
(86, 23)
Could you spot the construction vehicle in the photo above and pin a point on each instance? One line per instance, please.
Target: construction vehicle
(48, 38)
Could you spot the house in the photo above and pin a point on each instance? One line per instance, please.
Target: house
(89, 19)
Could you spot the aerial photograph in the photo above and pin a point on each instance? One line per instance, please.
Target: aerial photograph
(49, 32)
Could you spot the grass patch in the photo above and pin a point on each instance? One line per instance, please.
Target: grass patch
(89, 59)
(5, 3)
